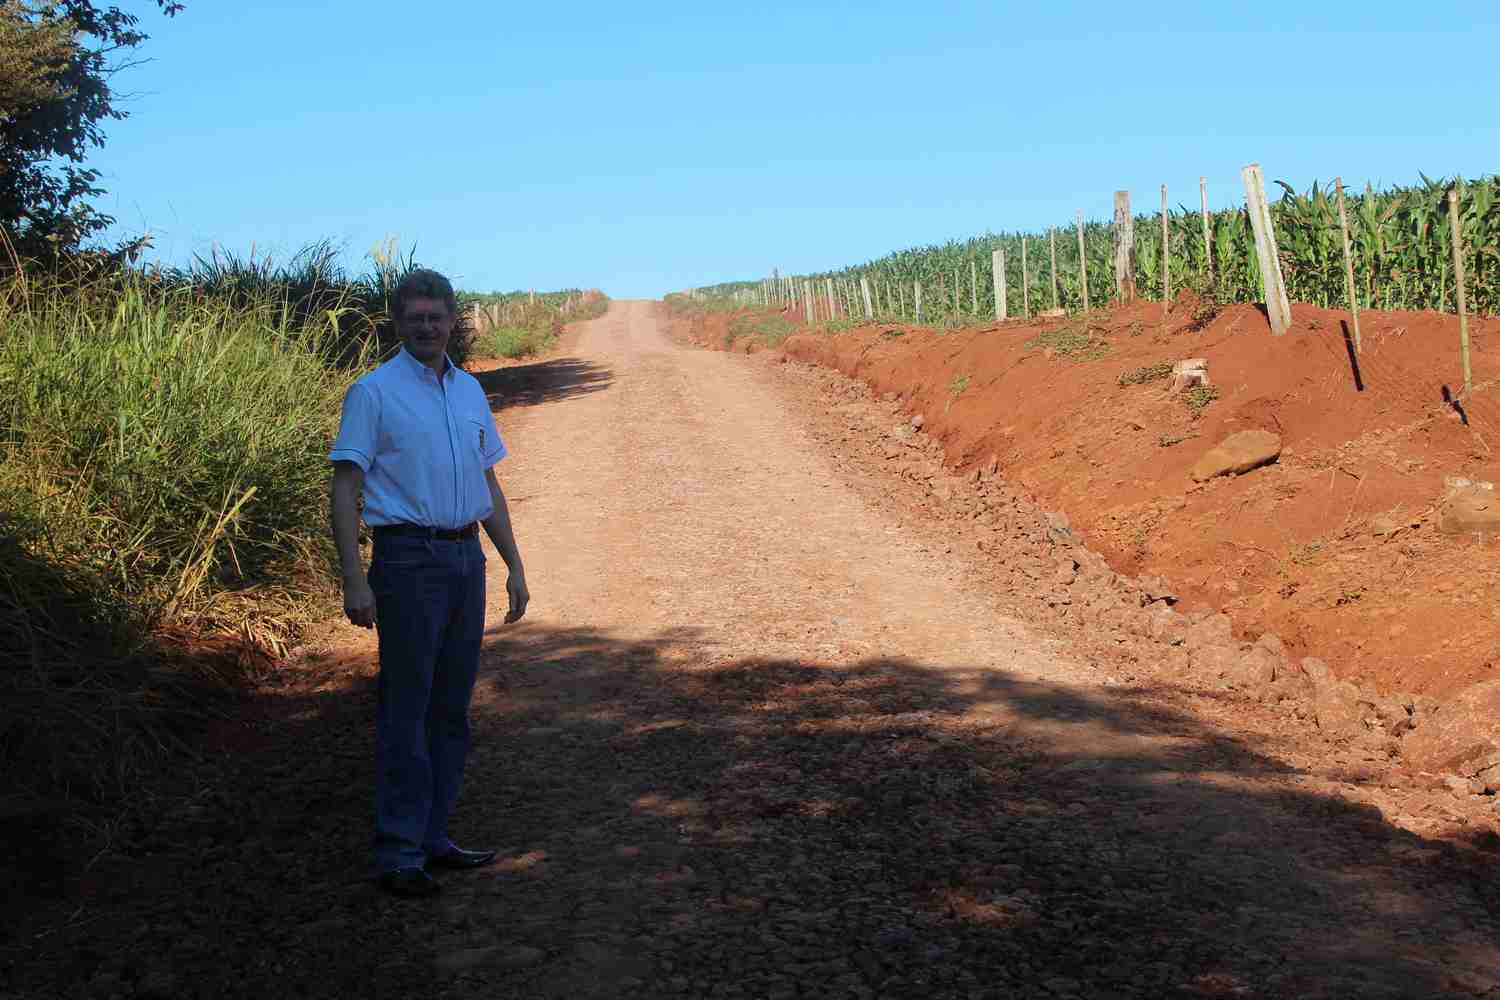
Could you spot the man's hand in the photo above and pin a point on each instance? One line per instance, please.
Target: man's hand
(359, 602)
(515, 586)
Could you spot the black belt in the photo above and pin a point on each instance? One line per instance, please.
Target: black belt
(418, 531)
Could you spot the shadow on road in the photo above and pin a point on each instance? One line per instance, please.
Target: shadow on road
(669, 825)
(542, 382)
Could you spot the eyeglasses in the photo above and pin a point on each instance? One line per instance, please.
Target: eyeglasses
(423, 319)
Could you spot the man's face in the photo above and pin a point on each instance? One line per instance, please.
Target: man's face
(425, 326)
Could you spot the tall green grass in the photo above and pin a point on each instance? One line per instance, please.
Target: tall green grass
(162, 471)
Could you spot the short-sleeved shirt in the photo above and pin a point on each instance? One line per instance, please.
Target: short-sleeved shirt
(424, 444)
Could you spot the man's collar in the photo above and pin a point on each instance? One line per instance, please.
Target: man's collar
(414, 363)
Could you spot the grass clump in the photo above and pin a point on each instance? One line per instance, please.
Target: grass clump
(1148, 373)
(1077, 342)
(958, 386)
(513, 341)
(1198, 397)
(771, 329)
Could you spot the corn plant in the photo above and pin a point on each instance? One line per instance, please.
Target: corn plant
(1399, 240)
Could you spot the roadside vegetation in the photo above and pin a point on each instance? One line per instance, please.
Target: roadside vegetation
(163, 497)
(519, 324)
(1400, 240)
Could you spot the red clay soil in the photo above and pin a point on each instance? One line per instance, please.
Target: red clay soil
(1297, 548)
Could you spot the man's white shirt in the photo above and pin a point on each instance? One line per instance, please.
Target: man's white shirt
(424, 444)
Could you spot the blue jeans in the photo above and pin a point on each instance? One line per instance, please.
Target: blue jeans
(429, 609)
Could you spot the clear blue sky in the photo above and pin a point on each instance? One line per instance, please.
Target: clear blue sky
(643, 148)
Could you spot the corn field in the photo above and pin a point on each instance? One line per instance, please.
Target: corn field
(1400, 238)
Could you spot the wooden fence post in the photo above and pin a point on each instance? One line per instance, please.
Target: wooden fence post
(1208, 243)
(997, 275)
(973, 288)
(917, 297)
(807, 299)
(828, 282)
(901, 292)
(1124, 248)
(1025, 283)
(864, 289)
(1052, 242)
(955, 291)
(1338, 183)
(1083, 265)
(1277, 307)
(1458, 288)
(1166, 258)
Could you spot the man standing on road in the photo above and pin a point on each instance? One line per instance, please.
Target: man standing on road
(417, 437)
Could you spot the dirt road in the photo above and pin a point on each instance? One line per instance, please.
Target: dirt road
(761, 736)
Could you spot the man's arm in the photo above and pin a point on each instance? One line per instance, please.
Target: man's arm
(359, 600)
(497, 526)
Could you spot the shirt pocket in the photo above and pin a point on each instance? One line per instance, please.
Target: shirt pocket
(478, 434)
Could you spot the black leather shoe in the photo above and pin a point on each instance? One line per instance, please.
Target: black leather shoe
(409, 882)
(458, 858)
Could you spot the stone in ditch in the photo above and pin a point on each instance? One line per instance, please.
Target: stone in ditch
(918, 420)
(1463, 738)
(1188, 373)
(1336, 707)
(1260, 665)
(1470, 509)
(1238, 454)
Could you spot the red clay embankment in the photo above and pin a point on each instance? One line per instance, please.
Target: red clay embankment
(1335, 547)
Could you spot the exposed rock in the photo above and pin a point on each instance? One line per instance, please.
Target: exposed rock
(1470, 508)
(1316, 671)
(1154, 588)
(1463, 738)
(1385, 712)
(1188, 373)
(1238, 454)
(1167, 625)
(1272, 643)
(1220, 660)
(1289, 685)
(1214, 630)
(1260, 665)
(1335, 706)
(1067, 571)
(918, 420)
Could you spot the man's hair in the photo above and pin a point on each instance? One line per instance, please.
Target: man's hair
(423, 284)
